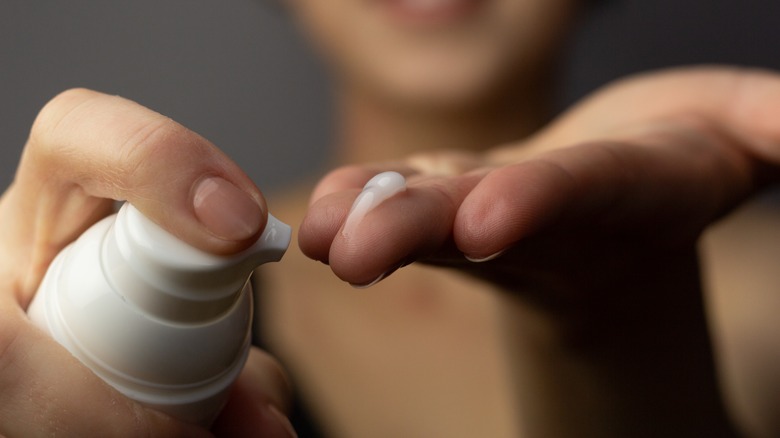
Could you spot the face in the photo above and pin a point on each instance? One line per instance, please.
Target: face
(435, 52)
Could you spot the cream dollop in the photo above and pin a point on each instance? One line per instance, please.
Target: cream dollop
(377, 190)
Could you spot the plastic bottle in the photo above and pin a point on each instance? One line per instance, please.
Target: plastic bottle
(161, 321)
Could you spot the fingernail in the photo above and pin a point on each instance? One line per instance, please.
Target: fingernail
(485, 259)
(279, 426)
(225, 210)
(380, 278)
(371, 283)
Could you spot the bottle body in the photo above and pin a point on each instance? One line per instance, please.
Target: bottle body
(181, 366)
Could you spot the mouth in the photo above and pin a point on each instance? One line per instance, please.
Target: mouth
(431, 12)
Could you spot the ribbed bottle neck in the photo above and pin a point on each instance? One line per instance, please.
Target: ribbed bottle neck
(167, 278)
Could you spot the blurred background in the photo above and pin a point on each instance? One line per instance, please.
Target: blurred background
(239, 73)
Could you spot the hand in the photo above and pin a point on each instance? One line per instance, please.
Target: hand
(590, 228)
(85, 150)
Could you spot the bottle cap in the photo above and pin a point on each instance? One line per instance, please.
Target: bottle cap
(171, 279)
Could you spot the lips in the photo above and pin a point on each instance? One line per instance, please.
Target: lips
(431, 11)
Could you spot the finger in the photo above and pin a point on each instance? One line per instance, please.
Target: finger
(431, 163)
(744, 101)
(322, 222)
(444, 162)
(343, 185)
(411, 225)
(257, 401)
(28, 242)
(63, 398)
(354, 177)
(340, 187)
(85, 146)
(677, 181)
(106, 146)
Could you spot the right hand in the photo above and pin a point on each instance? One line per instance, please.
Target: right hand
(589, 230)
(85, 150)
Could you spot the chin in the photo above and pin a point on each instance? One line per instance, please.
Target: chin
(451, 84)
(435, 54)
(427, 95)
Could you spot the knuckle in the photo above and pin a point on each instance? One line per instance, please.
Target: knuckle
(152, 143)
(109, 145)
(44, 146)
(55, 112)
(281, 392)
(147, 139)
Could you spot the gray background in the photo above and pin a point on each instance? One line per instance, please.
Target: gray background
(239, 73)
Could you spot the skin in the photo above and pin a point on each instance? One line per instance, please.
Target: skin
(369, 362)
(587, 358)
(405, 87)
(605, 337)
(600, 332)
(86, 149)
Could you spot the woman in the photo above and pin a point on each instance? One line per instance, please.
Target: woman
(574, 304)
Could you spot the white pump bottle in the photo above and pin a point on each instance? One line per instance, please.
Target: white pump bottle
(164, 323)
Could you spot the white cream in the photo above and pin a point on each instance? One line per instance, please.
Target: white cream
(377, 190)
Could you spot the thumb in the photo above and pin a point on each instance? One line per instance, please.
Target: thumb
(86, 147)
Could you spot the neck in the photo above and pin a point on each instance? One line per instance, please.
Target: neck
(375, 130)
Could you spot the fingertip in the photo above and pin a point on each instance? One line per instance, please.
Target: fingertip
(322, 222)
(412, 224)
(210, 204)
(508, 204)
(251, 419)
(343, 178)
(355, 177)
(160, 424)
(217, 225)
(257, 401)
(265, 375)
